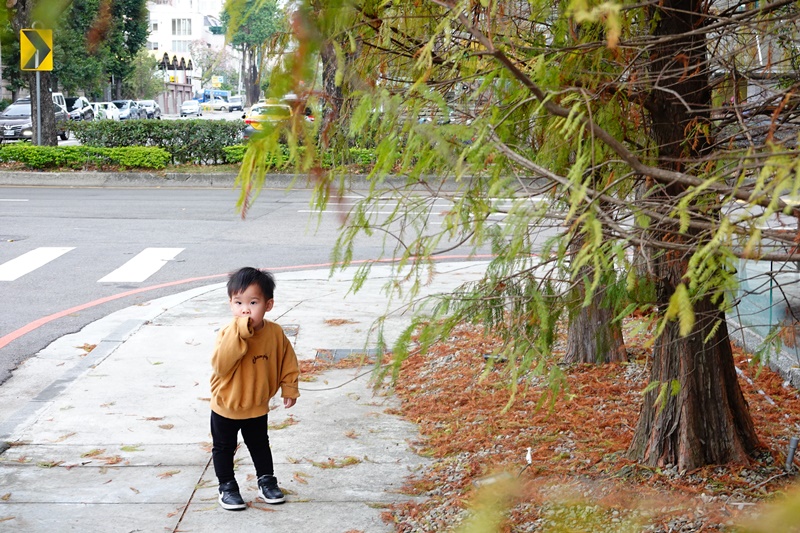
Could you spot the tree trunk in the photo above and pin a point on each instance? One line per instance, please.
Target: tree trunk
(333, 93)
(592, 335)
(251, 81)
(706, 420)
(243, 80)
(48, 117)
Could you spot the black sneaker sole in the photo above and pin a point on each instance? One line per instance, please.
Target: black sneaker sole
(231, 507)
(271, 500)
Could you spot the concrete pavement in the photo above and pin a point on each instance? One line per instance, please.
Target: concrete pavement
(117, 439)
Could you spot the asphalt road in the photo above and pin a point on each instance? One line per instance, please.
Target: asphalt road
(98, 230)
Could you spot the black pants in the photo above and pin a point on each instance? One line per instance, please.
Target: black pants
(224, 433)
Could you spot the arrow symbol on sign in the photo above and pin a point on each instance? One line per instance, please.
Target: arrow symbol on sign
(41, 47)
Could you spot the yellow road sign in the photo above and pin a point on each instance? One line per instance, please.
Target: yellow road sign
(36, 49)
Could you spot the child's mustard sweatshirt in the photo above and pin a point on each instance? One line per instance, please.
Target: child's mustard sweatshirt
(248, 367)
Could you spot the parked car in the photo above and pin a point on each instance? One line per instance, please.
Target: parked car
(110, 110)
(236, 103)
(218, 104)
(16, 122)
(264, 114)
(79, 108)
(128, 110)
(140, 110)
(191, 107)
(58, 99)
(99, 112)
(151, 107)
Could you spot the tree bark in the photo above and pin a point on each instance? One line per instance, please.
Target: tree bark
(21, 20)
(707, 421)
(333, 93)
(592, 334)
(49, 136)
(251, 82)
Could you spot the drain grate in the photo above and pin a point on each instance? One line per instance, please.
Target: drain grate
(291, 330)
(337, 354)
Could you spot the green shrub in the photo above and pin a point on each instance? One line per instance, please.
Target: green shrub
(81, 157)
(363, 157)
(200, 142)
(235, 155)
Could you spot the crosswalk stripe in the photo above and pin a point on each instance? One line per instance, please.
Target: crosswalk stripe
(30, 261)
(142, 266)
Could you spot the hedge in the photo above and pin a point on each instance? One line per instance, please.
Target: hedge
(363, 157)
(81, 157)
(199, 142)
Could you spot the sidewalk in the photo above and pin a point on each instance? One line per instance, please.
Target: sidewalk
(117, 439)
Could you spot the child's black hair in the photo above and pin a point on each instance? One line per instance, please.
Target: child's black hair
(244, 277)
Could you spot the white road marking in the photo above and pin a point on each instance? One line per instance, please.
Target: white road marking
(30, 261)
(13, 199)
(142, 266)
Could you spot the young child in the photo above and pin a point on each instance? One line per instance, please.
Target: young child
(252, 358)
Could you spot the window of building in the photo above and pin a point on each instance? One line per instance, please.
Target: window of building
(151, 45)
(181, 46)
(181, 26)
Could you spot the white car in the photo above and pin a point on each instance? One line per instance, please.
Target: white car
(109, 110)
(236, 102)
(191, 107)
(232, 104)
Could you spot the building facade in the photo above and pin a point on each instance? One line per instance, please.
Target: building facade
(177, 27)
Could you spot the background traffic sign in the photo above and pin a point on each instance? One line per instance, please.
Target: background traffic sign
(32, 41)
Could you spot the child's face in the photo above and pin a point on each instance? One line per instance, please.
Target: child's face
(251, 302)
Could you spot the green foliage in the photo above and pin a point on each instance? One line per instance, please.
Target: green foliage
(83, 71)
(81, 157)
(128, 33)
(92, 39)
(188, 141)
(680, 307)
(145, 80)
(257, 28)
(547, 144)
(666, 390)
(362, 158)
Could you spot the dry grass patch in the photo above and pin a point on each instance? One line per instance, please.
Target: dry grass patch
(579, 476)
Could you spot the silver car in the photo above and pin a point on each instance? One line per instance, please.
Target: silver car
(128, 110)
(108, 110)
(151, 107)
(191, 107)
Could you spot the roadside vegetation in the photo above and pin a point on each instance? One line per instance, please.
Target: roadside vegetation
(189, 145)
(579, 478)
(620, 161)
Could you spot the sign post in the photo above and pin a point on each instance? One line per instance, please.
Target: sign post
(36, 53)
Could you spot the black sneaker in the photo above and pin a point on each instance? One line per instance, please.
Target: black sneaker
(268, 490)
(229, 497)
